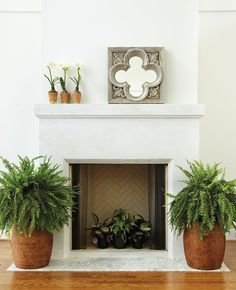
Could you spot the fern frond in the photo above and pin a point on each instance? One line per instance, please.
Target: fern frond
(207, 199)
(34, 196)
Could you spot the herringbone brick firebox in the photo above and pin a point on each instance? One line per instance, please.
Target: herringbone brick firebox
(138, 188)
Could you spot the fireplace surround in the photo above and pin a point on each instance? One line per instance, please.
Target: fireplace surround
(120, 134)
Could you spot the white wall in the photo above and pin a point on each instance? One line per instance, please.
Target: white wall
(80, 31)
(20, 5)
(20, 75)
(217, 79)
(217, 5)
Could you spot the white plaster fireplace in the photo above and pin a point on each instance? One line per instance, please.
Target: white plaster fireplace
(130, 134)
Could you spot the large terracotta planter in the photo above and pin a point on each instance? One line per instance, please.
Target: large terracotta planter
(65, 97)
(32, 252)
(76, 97)
(52, 95)
(206, 254)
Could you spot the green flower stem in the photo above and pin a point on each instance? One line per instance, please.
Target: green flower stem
(76, 81)
(64, 75)
(50, 73)
(52, 81)
(63, 80)
(78, 78)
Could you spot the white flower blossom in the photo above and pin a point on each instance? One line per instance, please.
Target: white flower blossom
(65, 66)
(76, 66)
(51, 64)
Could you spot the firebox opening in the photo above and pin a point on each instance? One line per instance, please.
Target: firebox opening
(139, 188)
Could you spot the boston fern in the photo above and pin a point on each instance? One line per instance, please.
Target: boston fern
(207, 199)
(33, 197)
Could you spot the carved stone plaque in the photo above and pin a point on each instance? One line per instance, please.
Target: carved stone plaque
(135, 75)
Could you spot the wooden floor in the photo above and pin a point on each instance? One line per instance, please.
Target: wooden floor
(123, 280)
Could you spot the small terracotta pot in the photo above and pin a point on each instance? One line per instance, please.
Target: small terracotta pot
(31, 252)
(65, 97)
(76, 97)
(52, 97)
(206, 254)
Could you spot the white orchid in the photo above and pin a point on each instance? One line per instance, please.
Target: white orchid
(76, 66)
(65, 67)
(51, 64)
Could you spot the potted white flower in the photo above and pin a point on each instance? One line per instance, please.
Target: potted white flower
(52, 94)
(76, 95)
(65, 96)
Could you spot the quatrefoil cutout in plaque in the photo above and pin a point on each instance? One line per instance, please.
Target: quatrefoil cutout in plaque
(135, 75)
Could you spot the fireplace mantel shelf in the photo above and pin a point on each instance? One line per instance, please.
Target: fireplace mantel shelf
(109, 111)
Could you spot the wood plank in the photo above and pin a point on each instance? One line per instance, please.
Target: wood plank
(117, 280)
